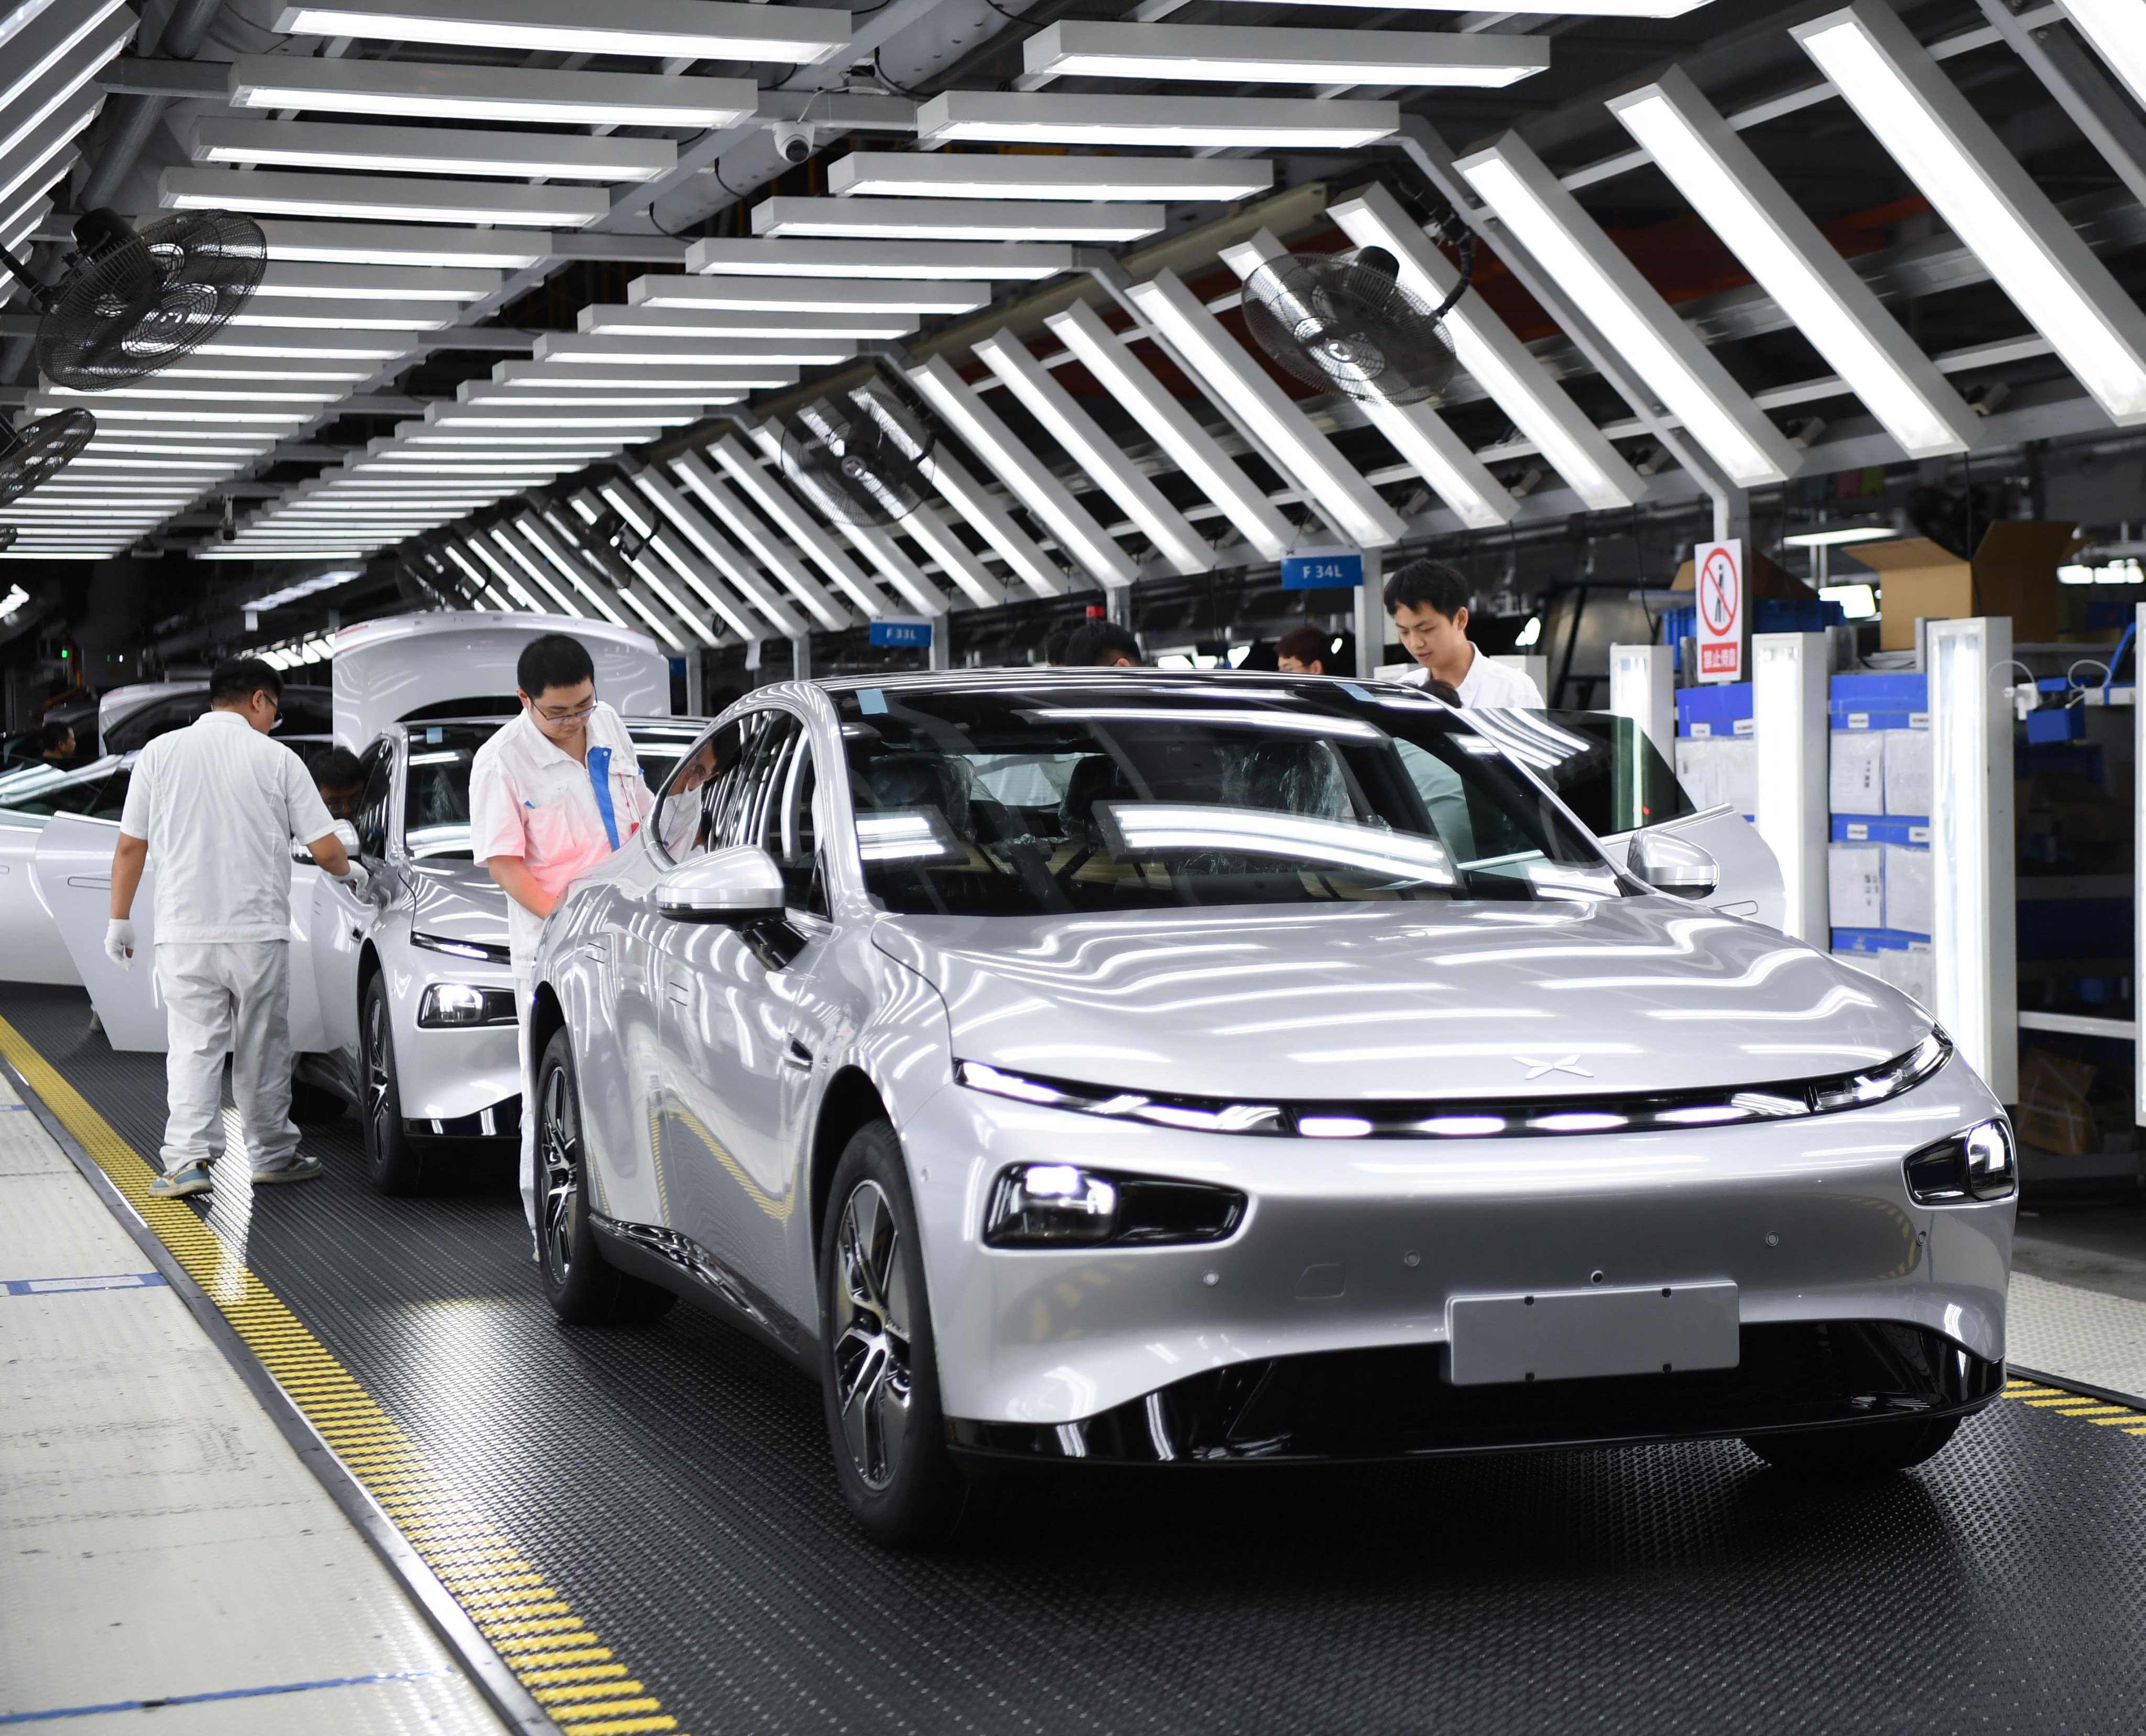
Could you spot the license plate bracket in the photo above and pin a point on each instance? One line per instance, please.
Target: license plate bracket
(1538, 1336)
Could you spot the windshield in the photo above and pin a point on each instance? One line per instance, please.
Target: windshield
(1602, 767)
(436, 816)
(1118, 793)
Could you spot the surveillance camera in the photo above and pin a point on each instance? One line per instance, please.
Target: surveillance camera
(793, 141)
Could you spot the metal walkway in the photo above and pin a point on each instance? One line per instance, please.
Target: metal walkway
(673, 1525)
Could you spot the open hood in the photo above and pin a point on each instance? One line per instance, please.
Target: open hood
(456, 901)
(1411, 1002)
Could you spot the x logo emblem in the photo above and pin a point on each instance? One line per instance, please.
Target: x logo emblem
(1565, 1064)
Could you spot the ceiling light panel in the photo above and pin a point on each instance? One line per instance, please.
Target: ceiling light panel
(44, 45)
(1793, 263)
(598, 373)
(776, 500)
(287, 279)
(769, 549)
(375, 245)
(613, 320)
(719, 552)
(247, 139)
(1228, 54)
(636, 350)
(973, 220)
(1214, 123)
(1569, 8)
(1186, 550)
(969, 175)
(1226, 370)
(39, 100)
(32, 162)
(2116, 28)
(324, 315)
(1497, 362)
(807, 294)
(1630, 313)
(1023, 554)
(756, 256)
(1991, 202)
(379, 198)
(659, 29)
(1023, 473)
(489, 94)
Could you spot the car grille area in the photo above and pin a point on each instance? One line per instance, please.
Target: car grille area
(1397, 1403)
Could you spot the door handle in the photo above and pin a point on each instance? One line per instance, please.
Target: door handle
(597, 947)
(678, 990)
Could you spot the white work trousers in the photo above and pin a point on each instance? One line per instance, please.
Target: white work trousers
(525, 992)
(226, 997)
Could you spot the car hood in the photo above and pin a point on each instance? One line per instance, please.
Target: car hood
(1463, 1001)
(456, 901)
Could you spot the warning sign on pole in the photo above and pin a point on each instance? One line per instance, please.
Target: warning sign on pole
(1719, 578)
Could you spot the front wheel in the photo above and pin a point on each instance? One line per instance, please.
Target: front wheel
(1857, 1450)
(583, 1288)
(878, 1362)
(391, 1163)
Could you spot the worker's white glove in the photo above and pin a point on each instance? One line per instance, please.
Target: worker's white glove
(119, 942)
(357, 879)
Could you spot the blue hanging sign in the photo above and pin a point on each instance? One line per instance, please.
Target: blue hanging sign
(916, 634)
(1323, 569)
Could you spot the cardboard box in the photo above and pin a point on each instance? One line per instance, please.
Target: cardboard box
(1763, 580)
(1856, 784)
(2013, 573)
(1907, 773)
(1910, 888)
(1855, 884)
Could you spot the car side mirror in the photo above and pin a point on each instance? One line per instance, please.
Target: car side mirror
(733, 886)
(1673, 864)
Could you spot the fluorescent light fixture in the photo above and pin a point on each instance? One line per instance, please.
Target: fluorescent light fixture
(1046, 498)
(1231, 54)
(1036, 118)
(611, 320)
(1166, 420)
(28, 162)
(379, 198)
(1793, 263)
(937, 538)
(1235, 380)
(288, 343)
(968, 175)
(1443, 459)
(1023, 554)
(770, 549)
(43, 43)
(1629, 312)
(327, 315)
(1974, 939)
(1978, 187)
(385, 244)
(286, 279)
(489, 94)
(2116, 28)
(196, 418)
(773, 498)
(250, 139)
(633, 350)
(1186, 550)
(989, 261)
(27, 105)
(699, 578)
(719, 553)
(503, 537)
(698, 398)
(1573, 8)
(762, 294)
(657, 29)
(1833, 536)
(902, 574)
(1013, 219)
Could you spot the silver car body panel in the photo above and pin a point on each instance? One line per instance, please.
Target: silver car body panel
(705, 1070)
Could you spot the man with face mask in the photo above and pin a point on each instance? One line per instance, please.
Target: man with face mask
(552, 795)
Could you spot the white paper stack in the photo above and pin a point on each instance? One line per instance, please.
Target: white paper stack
(1911, 897)
(1855, 881)
(1858, 780)
(1906, 771)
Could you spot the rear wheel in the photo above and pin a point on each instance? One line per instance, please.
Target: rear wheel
(1859, 1449)
(879, 1363)
(583, 1288)
(392, 1162)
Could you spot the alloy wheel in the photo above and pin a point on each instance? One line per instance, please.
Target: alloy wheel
(872, 1340)
(558, 1148)
(377, 1108)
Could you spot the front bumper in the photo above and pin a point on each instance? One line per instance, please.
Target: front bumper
(1360, 1246)
(1395, 1403)
(457, 1077)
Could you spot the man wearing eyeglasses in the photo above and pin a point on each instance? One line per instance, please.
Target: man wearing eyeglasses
(214, 808)
(553, 794)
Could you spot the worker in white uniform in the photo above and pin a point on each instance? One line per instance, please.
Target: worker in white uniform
(1429, 602)
(553, 794)
(214, 808)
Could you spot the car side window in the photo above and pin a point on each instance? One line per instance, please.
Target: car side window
(371, 821)
(702, 785)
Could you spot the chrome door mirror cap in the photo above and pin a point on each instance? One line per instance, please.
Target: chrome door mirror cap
(1673, 864)
(737, 886)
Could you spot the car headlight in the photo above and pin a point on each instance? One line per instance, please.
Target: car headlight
(484, 949)
(459, 1005)
(1975, 1164)
(1064, 1205)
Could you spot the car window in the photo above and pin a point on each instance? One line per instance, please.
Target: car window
(1025, 798)
(1603, 766)
(750, 782)
(159, 718)
(658, 747)
(98, 790)
(435, 791)
(371, 820)
(686, 812)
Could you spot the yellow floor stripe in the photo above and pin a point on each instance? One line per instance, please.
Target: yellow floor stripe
(528, 1623)
(2057, 1402)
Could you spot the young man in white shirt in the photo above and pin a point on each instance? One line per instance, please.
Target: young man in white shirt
(553, 794)
(214, 808)
(1429, 602)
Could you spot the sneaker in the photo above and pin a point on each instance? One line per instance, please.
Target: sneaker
(192, 1178)
(293, 1168)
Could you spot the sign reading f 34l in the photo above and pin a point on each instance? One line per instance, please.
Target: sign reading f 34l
(1718, 569)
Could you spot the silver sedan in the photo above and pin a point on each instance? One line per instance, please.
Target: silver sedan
(1139, 1068)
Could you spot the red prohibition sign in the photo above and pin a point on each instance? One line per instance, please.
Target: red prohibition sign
(1717, 592)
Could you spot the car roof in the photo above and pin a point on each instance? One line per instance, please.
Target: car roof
(1031, 673)
(684, 725)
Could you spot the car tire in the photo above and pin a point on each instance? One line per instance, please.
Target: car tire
(392, 1161)
(1859, 1449)
(879, 1368)
(583, 1288)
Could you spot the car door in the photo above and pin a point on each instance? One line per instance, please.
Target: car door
(73, 872)
(735, 1059)
(341, 918)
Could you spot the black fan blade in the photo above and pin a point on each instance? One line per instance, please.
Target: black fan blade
(43, 451)
(142, 299)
